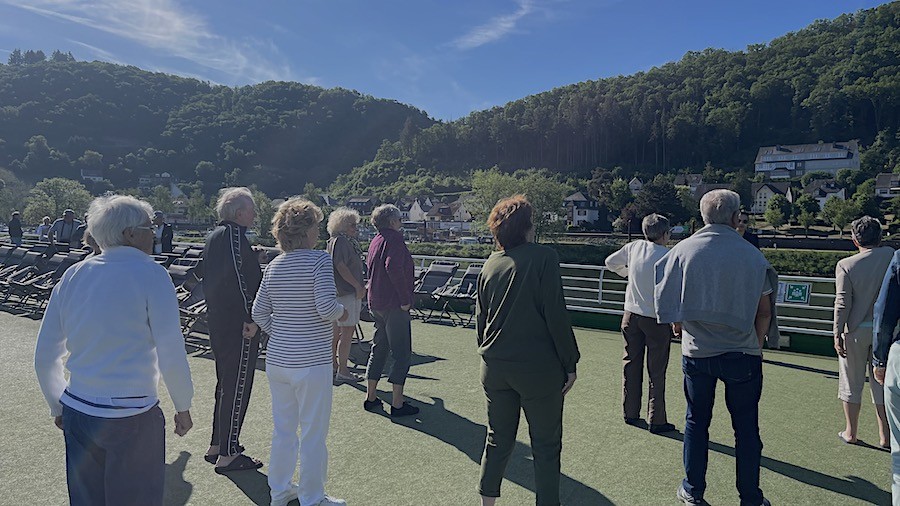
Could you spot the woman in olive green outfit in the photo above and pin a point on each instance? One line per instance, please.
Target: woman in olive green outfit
(527, 348)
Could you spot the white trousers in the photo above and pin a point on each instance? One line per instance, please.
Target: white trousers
(892, 405)
(301, 398)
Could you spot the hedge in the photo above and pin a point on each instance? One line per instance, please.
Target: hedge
(805, 262)
(592, 254)
(787, 262)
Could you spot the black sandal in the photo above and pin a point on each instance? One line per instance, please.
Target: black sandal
(212, 459)
(240, 463)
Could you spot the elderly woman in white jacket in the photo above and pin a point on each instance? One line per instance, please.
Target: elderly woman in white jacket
(116, 315)
(297, 306)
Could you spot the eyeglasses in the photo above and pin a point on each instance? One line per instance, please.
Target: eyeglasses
(743, 221)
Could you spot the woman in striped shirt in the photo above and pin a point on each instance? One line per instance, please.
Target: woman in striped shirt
(297, 305)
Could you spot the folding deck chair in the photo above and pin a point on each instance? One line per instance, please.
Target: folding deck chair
(435, 278)
(461, 293)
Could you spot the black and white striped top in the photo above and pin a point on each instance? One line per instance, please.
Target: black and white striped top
(296, 305)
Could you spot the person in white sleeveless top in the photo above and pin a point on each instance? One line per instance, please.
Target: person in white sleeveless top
(297, 305)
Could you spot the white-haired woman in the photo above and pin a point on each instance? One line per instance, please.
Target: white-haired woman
(297, 305)
(116, 315)
(346, 254)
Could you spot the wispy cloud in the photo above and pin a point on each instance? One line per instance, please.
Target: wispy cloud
(99, 53)
(165, 26)
(495, 29)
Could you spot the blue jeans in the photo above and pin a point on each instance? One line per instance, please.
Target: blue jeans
(742, 375)
(115, 460)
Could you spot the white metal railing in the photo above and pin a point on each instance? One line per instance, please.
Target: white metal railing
(594, 289)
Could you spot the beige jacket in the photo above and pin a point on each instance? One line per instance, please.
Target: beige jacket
(857, 280)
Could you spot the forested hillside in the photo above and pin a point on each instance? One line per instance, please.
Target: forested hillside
(59, 116)
(835, 80)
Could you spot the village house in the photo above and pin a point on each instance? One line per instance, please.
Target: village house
(95, 175)
(419, 209)
(580, 209)
(887, 185)
(763, 192)
(364, 205)
(692, 181)
(635, 185)
(824, 190)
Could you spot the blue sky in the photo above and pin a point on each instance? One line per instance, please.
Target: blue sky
(446, 57)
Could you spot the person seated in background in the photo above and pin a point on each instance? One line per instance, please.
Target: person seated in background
(43, 229)
(643, 335)
(743, 225)
(15, 229)
(857, 280)
(63, 229)
(162, 235)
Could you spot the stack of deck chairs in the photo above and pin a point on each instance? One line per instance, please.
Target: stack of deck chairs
(29, 272)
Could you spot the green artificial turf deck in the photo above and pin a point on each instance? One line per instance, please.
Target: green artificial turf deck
(434, 458)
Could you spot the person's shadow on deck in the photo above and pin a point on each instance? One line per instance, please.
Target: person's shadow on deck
(178, 491)
(852, 486)
(468, 437)
(254, 485)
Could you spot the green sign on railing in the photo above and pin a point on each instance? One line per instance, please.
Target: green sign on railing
(793, 293)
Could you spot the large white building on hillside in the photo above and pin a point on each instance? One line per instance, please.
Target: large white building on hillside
(785, 162)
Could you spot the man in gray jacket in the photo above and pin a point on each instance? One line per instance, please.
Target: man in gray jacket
(716, 289)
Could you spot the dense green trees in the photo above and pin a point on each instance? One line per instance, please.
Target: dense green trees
(51, 197)
(59, 116)
(834, 80)
(543, 189)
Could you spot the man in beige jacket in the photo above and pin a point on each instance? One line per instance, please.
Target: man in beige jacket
(857, 280)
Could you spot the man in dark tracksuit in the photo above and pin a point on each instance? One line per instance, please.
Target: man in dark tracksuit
(231, 277)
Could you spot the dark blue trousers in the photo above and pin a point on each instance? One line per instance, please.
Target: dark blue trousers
(115, 460)
(742, 375)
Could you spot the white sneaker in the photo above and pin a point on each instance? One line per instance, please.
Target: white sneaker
(331, 501)
(284, 500)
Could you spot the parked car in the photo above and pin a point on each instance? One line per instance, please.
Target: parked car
(468, 240)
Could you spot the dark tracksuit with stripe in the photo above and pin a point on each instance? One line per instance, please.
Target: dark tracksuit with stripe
(231, 277)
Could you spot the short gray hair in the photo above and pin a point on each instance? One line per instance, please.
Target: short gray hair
(718, 206)
(866, 231)
(340, 219)
(654, 226)
(231, 200)
(383, 214)
(110, 216)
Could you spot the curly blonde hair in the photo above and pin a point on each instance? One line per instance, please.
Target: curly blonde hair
(341, 219)
(292, 222)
